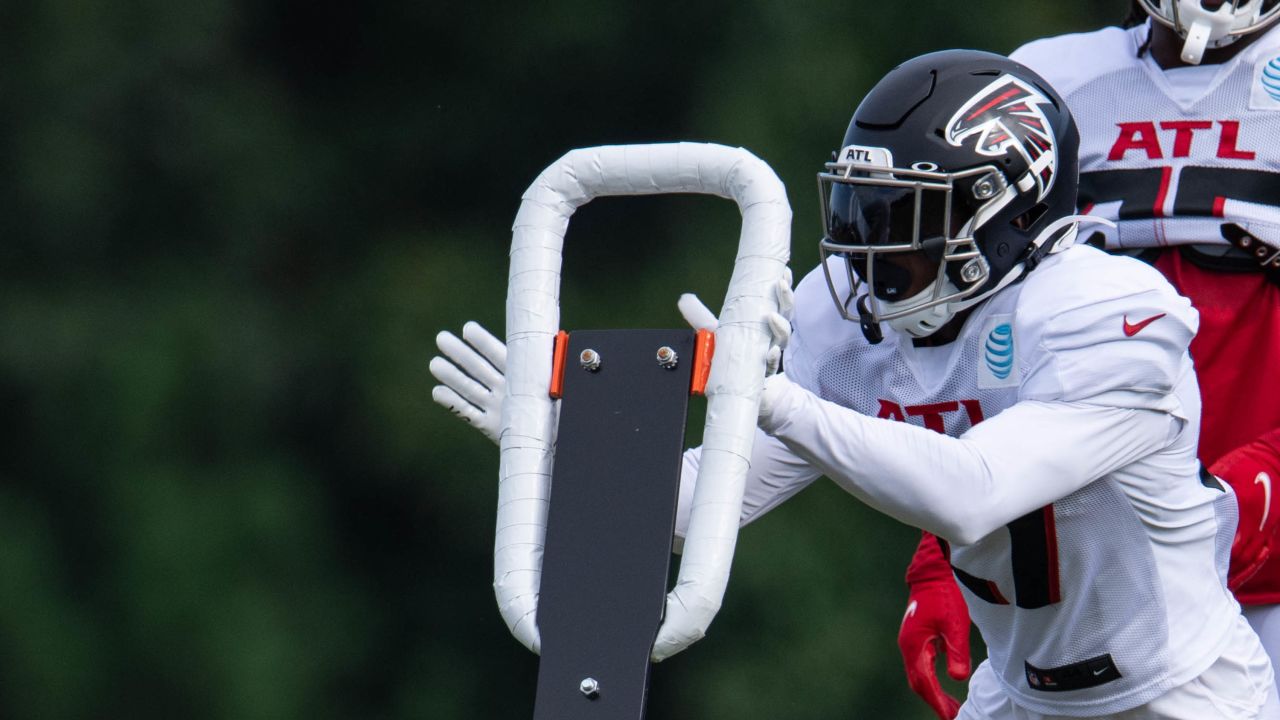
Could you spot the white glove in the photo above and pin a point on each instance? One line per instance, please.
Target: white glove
(700, 317)
(775, 386)
(473, 373)
(473, 377)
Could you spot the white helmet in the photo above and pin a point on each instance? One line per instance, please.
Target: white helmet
(1202, 28)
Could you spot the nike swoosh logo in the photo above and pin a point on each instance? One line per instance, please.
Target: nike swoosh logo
(1133, 329)
(911, 610)
(1099, 672)
(1265, 480)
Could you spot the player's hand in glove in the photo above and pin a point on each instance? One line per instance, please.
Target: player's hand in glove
(472, 371)
(1253, 470)
(700, 317)
(473, 377)
(937, 619)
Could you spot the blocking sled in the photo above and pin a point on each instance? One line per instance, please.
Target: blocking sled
(583, 543)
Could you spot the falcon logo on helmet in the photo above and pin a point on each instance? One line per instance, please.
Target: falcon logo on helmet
(1005, 115)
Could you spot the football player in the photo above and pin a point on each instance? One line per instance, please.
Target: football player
(1179, 115)
(960, 363)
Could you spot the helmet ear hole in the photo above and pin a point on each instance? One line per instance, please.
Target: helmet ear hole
(1030, 217)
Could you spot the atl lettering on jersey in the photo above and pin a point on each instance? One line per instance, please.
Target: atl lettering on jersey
(1179, 154)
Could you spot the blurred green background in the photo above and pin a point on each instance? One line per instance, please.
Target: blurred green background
(231, 231)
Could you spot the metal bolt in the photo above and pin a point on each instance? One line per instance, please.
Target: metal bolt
(985, 188)
(667, 357)
(971, 271)
(589, 687)
(589, 359)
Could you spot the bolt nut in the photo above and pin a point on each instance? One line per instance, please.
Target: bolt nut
(971, 271)
(985, 188)
(589, 687)
(667, 357)
(589, 359)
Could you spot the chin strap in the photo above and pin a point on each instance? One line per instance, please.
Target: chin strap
(1207, 29)
(1197, 39)
(870, 328)
(1069, 238)
(925, 321)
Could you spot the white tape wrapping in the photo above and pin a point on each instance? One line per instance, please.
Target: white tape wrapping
(733, 390)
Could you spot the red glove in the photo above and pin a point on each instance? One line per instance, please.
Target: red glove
(936, 619)
(1253, 471)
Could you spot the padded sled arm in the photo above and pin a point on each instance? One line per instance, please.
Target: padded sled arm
(733, 391)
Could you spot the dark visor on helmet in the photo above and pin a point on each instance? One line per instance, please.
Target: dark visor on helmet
(884, 218)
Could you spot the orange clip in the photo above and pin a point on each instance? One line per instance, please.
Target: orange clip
(704, 346)
(557, 364)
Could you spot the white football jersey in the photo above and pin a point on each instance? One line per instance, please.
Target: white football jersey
(1094, 594)
(1170, 154)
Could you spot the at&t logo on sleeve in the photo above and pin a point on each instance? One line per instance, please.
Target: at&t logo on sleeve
(1265, 92)
(998, 360)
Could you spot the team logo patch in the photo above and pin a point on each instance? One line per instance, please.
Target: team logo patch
(999, 351)
(1265, 94)
(1008, 114)
(1271, 78)
(997, 362)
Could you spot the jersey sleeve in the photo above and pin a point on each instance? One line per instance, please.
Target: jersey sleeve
(1107, 331)
(1106, 380)
(964, 488)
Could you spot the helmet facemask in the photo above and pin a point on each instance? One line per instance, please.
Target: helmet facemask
(907, 234)
(956, 174)
(1202, 28)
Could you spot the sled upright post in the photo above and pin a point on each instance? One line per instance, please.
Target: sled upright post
(609, 527)
(581, 560)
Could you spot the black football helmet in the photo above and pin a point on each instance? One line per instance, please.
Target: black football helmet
(957, 174)
(1211, 27)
